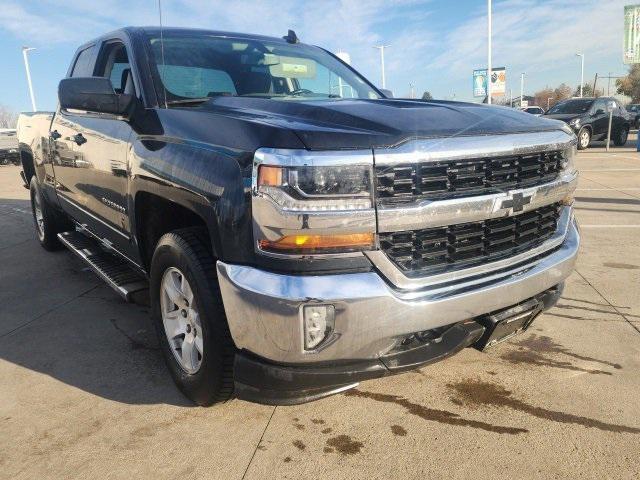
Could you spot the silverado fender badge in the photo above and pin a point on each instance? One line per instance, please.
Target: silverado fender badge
(515, 202)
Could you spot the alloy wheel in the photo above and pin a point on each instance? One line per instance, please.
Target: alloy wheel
(181, 320)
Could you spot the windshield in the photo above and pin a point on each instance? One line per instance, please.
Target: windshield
(572, 106)
(198, 66)
(633, 108)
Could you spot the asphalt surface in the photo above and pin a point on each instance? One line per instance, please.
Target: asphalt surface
(84, 392)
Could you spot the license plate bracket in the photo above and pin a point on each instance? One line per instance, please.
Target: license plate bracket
(504, 324)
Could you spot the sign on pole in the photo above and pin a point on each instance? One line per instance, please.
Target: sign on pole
(631, 34)
(498, 82)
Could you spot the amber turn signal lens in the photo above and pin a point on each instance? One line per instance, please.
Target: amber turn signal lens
(269, 176)
(319, 243)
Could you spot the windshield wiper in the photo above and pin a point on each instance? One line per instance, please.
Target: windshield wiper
(189, 101)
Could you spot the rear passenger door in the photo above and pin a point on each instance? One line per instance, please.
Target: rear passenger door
(600, 118)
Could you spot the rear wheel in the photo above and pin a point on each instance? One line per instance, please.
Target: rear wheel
(584, 138)
(620, 139)
(189, 317)
(47, 221)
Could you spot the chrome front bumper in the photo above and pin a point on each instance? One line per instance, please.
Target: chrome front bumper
(264, 309)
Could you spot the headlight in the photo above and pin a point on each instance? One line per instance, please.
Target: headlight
(308, 203)
(568, 156)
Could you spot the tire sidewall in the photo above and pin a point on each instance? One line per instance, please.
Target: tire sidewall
(624, 132)
(202, 386)
(49, 238)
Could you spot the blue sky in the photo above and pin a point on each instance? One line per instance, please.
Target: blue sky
(435, 44)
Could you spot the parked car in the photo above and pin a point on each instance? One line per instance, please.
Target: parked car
(634, 112)
(229, 180)
(534, 110)
(589, 119)
(9, 147)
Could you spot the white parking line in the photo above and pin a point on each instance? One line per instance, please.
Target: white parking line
(606, 189)
(613, 170)
(609, 226)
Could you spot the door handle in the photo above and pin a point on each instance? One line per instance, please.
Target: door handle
(79, 139)
(55, 135)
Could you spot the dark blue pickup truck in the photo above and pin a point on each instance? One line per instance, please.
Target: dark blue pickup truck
(293, 230)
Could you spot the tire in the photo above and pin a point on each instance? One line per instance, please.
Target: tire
(47, 221)
(620, 140)
(207, 377)
(584, 138)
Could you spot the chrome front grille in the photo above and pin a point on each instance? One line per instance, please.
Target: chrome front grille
(437, 250)
(405, 183)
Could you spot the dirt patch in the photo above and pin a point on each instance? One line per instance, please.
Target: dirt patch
(432, 414)
(287, 459)
(398, 430)
(326, 430)
(299, 444)
(317, 421)
(475, 393)
(328, 450)
(345, 445)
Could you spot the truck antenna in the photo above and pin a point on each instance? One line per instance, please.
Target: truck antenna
(164, 89)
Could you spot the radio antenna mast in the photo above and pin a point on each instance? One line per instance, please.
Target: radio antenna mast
(164, 89)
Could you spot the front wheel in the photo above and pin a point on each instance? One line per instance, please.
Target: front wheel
(620, 139)
(584, 138)
(189, 317)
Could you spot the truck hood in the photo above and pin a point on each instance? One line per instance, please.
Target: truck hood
(340, 124)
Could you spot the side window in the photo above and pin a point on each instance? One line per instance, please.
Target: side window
(84, 64)
(114, 65)
(599, 105)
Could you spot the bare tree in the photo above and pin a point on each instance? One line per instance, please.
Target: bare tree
(427, 96)
(8, 117)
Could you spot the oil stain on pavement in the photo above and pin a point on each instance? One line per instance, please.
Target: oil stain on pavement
(343, 444)
(432, 414)
(535, 350)
(476, 393)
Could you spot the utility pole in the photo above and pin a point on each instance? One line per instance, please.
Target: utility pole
(521, 87)
(581, 55)
(609, 84)
(26, 66)
(489, 52)
(595, 82)
(511, 97)
(548, 99)
(381, 48)
(411, 85)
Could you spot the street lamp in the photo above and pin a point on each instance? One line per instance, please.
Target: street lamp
(581, 55)
(381, 48)
(521, 87)
(26, 66)
(489, 52)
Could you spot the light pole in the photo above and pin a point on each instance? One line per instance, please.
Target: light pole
(581, 55)
(26, 66)
(381, 48)
(521, 87)
(548, 99)
(488, 52)
(411, 85)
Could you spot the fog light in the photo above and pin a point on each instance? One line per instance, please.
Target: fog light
(319, 321)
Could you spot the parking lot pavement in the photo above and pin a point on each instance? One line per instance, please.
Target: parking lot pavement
(84, 392)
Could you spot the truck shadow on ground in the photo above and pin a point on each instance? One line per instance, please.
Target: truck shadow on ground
(66, 324)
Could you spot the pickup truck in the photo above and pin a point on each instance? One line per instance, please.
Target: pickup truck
(295, 231)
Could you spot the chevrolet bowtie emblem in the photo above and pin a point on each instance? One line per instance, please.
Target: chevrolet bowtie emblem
(516, 202)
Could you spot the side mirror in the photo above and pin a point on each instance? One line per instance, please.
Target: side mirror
(387, 93)
(598, 112)
(93, 94)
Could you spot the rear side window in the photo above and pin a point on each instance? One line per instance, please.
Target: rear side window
(84, 64)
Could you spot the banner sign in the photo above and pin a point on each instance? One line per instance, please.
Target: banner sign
(631, 34)
(498, 82)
